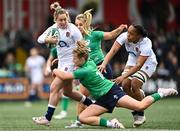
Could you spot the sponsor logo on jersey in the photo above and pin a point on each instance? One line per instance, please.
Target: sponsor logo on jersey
(66, 68)
(115, 97)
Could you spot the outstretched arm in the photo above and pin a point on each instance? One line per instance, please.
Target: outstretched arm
(63, 75)
(113, 34)
(116, 46)
(140, 62)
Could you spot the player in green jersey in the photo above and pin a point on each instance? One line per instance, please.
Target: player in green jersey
(106, 93)
(94, 40)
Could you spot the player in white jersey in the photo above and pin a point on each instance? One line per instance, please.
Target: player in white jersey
(65, 44)
(34, 68)
(140, 66)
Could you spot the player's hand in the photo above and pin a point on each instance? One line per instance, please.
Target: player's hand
(54, 64)
(53, 74)
(55, 61)
(119, 80)
(47, 71)
(51, 39)
(102, 68)
(123, 27)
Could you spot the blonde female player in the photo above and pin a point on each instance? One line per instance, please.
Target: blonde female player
(140, 66)
(69, 34)
(94, 40)
(106, 93)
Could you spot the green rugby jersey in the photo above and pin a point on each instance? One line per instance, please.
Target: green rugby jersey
(94, 40)
(92, 79)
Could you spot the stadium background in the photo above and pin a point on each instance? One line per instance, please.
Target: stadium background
(21, 22)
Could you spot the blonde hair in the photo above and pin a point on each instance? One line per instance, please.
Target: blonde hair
(87, 19)
(58, 10)
(82, 50)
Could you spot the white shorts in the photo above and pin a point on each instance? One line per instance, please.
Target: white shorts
(37, 79)
(144, 73)
(149, 67)
(69, 67)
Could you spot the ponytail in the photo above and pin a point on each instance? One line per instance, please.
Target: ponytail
(58, 10)
(87, 20)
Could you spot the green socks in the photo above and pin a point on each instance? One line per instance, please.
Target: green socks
(156, 96)
(103, 122)
(65, 103)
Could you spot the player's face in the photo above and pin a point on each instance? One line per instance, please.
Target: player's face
(77, 61)
(62, 21)
(132, 35)
(79, 24)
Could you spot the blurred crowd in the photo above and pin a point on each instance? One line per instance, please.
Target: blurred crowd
(160, 18)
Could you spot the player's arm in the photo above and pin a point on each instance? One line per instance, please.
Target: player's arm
(140, 62)
(113, 34)
(63, 75)
(44, 38)
(116, 46)
(48, 65)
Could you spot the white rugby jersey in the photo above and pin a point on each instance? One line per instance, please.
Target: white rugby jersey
(143, 47)
(35, 66)
(66, 42)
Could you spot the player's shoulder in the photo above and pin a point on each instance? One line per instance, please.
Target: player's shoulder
(54, 25)
(122, 35)
(71, 25)
(146, 41)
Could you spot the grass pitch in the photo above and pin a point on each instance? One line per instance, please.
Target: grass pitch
(163, 115)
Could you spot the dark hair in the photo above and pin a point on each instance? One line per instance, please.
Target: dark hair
(140, 30)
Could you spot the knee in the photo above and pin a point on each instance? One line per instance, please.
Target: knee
(134, 86)
(126, 84)
(84, 91)
(53, 88)
(82, 119)
(141, 107)
(66, 93)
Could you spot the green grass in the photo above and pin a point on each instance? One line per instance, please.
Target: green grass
(164, 115)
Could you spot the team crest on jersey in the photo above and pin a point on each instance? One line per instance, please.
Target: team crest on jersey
(65, 69)
(146, 67)
(67, 34)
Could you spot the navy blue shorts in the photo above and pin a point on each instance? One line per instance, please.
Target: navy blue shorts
(109, 100)
(109, 73)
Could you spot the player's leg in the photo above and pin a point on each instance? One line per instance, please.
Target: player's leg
(139, 117)
(105, 103)
(126, 85)
(91, 116)
(80, 108)
(132, 104)
(64, 106)
(56, 85)
(75, 95)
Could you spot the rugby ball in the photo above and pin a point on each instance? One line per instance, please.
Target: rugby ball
(53, 32)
